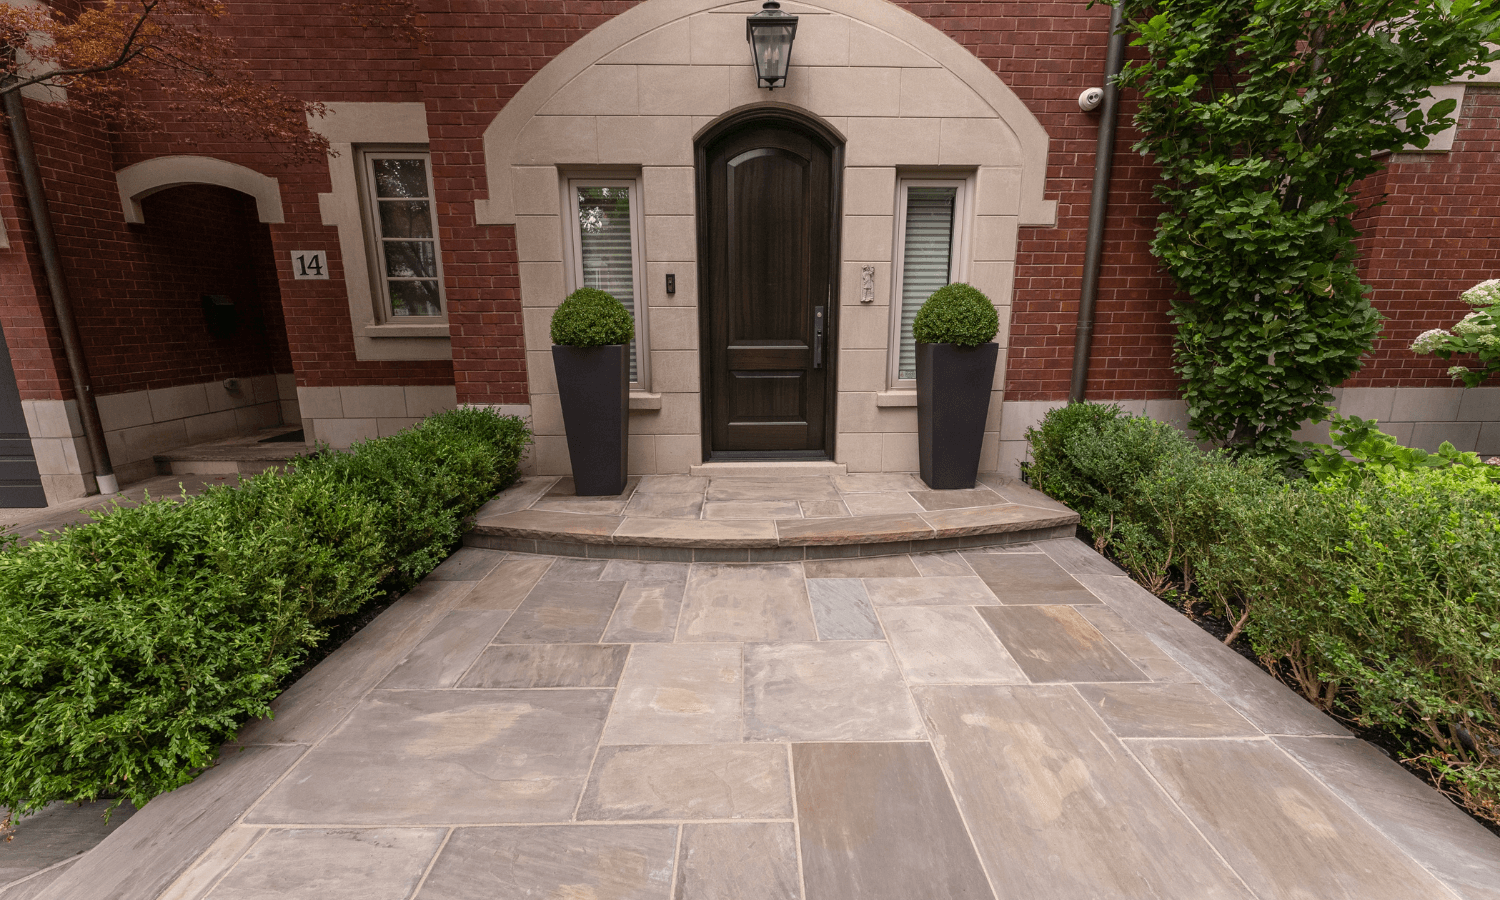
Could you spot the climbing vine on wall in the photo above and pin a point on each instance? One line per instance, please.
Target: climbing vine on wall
(1263, 115)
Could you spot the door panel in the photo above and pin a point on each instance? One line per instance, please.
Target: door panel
(767, 195)
(20, 480)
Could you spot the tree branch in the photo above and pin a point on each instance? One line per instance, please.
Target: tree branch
(128, 53)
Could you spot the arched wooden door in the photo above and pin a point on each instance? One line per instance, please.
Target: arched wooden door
(768, 213)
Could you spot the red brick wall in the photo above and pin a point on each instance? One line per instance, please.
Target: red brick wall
(311, 49)
(144, 325)
(1437, 235)
(25, 307)
(1048, 53)
(482, 53)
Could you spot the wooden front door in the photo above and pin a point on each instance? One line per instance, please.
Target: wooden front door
(768, 193)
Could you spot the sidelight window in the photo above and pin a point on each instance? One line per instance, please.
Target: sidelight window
(605, 251)
(930, 219)
(402, 225)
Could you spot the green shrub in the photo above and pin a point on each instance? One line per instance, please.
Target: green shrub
(956, 314)
(591, 318)
(426, 480)
(1375, 591)
(1383, 602)
(133, 647)
(1143, 490)
(1264, 120)
(1359, 447)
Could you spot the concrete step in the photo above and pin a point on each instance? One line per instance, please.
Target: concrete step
(239, 455)
(760, 468)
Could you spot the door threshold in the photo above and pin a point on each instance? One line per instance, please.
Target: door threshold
(770, 468)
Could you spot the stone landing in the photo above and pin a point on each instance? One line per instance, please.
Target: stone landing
(757, 518)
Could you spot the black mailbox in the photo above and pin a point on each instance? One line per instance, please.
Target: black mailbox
(219, 315)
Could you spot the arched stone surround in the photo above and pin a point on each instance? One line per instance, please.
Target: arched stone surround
(634, 93)
(153, 175)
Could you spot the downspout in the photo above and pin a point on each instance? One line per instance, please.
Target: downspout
(41, 222)
(1104, 160)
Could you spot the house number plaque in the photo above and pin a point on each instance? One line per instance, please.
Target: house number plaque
(309, 264)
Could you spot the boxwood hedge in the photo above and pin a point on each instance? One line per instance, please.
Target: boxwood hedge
(133, 647)
(1373, 587)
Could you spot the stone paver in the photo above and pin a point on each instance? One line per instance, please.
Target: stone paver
(1022, 722)
(738, 859)
(48, 838)
(1056, 643)
(364, 863)
(948, 645)
(879, 823)
(689, 781)
(1057, 806)
(1284, 832)
(437, 757)
(842, 610)
(834, 691)
(612, 862)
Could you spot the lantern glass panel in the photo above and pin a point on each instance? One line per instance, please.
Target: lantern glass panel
(773, 50)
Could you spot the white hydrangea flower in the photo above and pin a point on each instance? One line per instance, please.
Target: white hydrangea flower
(1485, 293)
(1428, 341)
(1489, 340)
(1475, 323)
(1456, 371)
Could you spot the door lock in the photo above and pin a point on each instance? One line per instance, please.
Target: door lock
(817, 337)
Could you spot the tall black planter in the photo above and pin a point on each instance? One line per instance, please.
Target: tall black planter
(594, 387)
(953, 399)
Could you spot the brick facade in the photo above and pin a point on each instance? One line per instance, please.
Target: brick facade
(1437, 235)
(138, 306)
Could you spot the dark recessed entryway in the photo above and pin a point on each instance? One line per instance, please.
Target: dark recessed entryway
(768, 214)
(20, 480)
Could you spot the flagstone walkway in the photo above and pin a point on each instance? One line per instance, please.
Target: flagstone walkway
(1021, 722)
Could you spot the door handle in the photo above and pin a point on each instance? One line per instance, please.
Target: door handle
(817, 337)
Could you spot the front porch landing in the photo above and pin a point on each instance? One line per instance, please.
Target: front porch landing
(735, 518)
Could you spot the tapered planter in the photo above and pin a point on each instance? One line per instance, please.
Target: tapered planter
(953, 399)
(594, 388)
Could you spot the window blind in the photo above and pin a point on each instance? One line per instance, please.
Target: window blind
(606, 249)
(927, 258)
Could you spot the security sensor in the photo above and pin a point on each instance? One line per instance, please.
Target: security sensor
(1089, 100)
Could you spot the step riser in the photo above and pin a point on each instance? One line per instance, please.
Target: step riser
(764, 554)
(768, 469)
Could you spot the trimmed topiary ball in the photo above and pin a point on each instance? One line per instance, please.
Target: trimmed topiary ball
(592, 318)
(956, 314)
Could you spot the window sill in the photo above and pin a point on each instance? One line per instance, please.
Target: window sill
(644, 400)
(896, 398)
(439, 330)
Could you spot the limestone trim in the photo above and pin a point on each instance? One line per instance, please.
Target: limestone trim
(139, 181)
(350, 126)
(663, 28)
(341, 416)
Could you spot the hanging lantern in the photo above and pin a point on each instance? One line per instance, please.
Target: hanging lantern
(770, 33)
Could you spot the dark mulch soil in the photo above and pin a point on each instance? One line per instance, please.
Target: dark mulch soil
(340, 630)
(1386, 740)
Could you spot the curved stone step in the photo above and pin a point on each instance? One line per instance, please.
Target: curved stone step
(540, 515)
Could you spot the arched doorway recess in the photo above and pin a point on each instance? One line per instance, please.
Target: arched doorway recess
(632, 99)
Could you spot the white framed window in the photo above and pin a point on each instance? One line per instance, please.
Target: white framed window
(401, 225)
(603, 217)
(932, 225)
